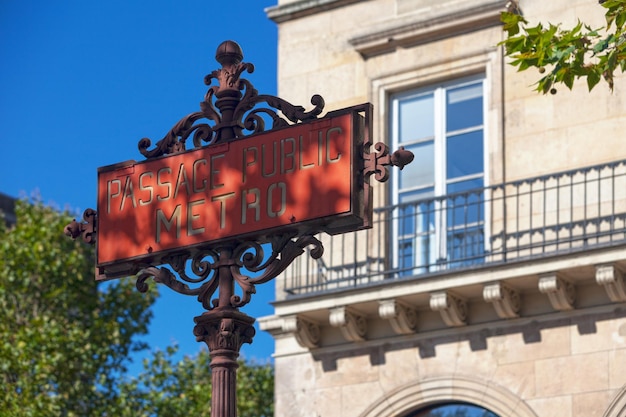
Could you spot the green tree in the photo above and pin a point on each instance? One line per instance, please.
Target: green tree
(563, 55)
(64, 340)
(183, 388)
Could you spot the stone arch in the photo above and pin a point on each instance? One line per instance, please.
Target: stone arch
(430, 391)
(617, 408)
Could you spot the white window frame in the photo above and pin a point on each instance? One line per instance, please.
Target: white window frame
(440, 155)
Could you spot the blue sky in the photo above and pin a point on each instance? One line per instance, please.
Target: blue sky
(81, 82)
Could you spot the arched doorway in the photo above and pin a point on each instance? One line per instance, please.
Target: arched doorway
(410, 399)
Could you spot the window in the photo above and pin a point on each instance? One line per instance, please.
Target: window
(437, 200)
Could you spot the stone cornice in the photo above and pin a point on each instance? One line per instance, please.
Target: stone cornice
(465, 332)
(302, 8)
(519, 294)
(460, 282)
(420, 29)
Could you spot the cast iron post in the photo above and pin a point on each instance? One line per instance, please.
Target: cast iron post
(224, 329)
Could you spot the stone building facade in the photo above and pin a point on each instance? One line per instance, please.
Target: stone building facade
(494, 273)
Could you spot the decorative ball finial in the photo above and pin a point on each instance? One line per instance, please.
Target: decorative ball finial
(229, 53)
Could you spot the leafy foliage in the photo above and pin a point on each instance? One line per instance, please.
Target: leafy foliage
(564, 55)
(65, 341)
(183, 388)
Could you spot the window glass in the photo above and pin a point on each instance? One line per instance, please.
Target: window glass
(416, 118)
(459, 186)
(420, 172)
(453, 410)
(416, 230)
(415, 216)
(406, 254)
(416, 195)
(464, 154)
(464, 107)
(466, 247)
(465, 210)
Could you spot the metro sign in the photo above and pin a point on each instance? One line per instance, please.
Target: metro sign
(305, 178)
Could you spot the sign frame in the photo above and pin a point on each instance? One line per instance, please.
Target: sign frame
(359, 215)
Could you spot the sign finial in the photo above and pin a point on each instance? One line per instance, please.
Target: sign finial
(229, 53)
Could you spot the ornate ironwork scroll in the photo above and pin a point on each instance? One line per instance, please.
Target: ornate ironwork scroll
(245, 263)
(231, 107)
(86, 228)
(377, 163)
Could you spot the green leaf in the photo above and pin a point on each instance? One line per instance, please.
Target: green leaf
(564, 53)
(593, 78)
(535, 31)
(612, 61)
(545, 83)
(511, 22)
(568, 79)
(514, 44)
(601, 46)
(620, 19)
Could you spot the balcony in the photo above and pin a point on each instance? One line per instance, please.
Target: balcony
(535, 218)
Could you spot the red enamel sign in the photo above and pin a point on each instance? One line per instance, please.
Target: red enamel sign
(303, 177)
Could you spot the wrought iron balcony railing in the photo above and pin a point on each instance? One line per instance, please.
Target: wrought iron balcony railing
(537, 217)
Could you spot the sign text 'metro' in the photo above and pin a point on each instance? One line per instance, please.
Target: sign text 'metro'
(292, 178)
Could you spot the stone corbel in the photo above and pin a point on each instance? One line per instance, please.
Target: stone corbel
(271, 324)
(506, 300)
(403, 318)
(307, 332)
(612, 278)
(560, 292)
(353, 325)
(453, 309)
